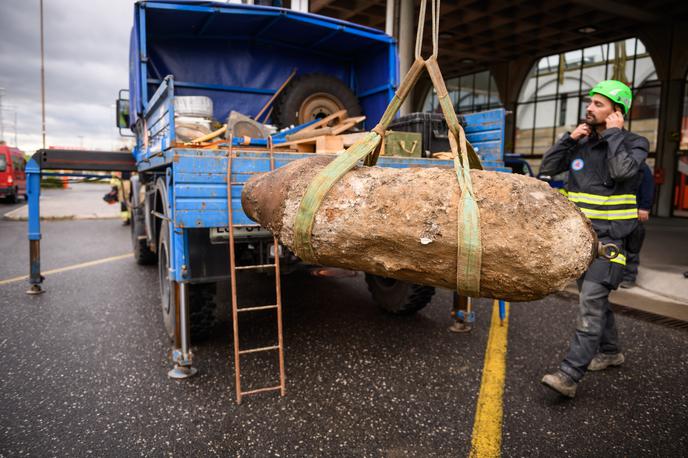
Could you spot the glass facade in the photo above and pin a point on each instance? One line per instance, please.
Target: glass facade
(468, 93)
(681, 187)
(553, 97)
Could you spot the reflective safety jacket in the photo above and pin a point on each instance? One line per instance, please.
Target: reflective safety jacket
(603, 178)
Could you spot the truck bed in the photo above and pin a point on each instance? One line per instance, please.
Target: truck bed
(199, 177)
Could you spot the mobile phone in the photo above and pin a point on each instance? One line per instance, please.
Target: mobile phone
(583, 121)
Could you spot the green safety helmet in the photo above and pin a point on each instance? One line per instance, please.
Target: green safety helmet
(616, 91)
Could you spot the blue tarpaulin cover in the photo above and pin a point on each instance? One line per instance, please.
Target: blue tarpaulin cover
(239, 55)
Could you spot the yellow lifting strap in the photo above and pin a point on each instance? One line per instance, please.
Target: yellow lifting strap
(368, 149)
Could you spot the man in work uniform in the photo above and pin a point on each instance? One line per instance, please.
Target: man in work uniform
(603, 161)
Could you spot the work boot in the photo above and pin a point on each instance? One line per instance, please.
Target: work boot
(627, 284)
(561, 383)
(602, 361)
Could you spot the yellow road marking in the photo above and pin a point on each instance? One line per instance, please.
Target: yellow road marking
(72, 267)
(487, 427)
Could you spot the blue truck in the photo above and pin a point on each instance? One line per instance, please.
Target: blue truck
(237, 57)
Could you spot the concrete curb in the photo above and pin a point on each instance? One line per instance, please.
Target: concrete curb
(64, 217)
(668, 283)
(20, 214)
(641, 299)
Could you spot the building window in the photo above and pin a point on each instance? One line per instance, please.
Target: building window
(468, 93)
(681, 188)
(553, 98)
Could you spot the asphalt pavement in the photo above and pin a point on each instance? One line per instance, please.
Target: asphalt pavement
(84, 371)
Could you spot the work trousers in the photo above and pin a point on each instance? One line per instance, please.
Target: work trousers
(595, 329)
(633, 247)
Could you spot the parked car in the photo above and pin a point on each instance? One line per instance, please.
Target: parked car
(12, 176)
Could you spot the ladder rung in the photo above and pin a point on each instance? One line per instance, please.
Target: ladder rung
(256, 350)
(253, 309)
(261, 390)
(258, 266)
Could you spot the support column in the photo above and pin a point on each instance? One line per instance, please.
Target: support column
(389, 17)
(667, 48)
(668, 137)
(407, 41)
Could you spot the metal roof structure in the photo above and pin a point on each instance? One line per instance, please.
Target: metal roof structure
(476, 34)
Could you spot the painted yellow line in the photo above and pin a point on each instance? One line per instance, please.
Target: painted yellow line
(487, 427)
(72, 267)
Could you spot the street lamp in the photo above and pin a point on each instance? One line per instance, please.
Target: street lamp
(2, 124)
(42, 79)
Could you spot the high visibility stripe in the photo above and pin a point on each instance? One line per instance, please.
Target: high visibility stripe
(563, 192)
(611, 215)
(618, 199)
(585, 194)
(620, 259)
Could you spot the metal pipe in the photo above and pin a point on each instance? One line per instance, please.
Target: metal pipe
(2, 123)
(42, 79)
(406, 46)
(35, 278)
(278, 290)
(232, 276)
(389, 18)
(184, 319)
(33, 190)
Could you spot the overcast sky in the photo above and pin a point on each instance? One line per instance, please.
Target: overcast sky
(86, 62)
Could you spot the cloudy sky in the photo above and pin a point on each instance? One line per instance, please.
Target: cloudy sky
(86, 61)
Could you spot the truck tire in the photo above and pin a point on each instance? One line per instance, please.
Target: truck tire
(313, 96)
(12, 198)
(142, 254)
(202, 317)
(198, 106)
(397, 297)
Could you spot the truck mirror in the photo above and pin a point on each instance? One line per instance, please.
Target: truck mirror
(122, 107)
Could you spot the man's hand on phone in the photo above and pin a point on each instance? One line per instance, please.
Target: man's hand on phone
(615, 120)
(583, 130)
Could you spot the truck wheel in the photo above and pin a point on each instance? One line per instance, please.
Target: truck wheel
(398, 297)
(142, 254)
(12, 198)
(201, 306)
(313, 96)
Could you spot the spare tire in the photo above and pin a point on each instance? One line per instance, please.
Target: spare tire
(198, 106)
(313, 96)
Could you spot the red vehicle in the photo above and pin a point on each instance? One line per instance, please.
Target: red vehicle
(12, 176)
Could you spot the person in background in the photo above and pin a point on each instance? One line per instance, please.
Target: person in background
(634, 242)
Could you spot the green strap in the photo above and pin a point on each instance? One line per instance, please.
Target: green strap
(366, 147)
(469, 245)
(320, 186)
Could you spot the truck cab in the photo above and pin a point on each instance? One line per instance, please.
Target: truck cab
(12, 176)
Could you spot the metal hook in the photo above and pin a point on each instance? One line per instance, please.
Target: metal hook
(608, 250)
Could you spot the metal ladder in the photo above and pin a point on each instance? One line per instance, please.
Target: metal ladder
(236, 310)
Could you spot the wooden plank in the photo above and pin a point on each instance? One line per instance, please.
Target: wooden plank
(328, 144)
